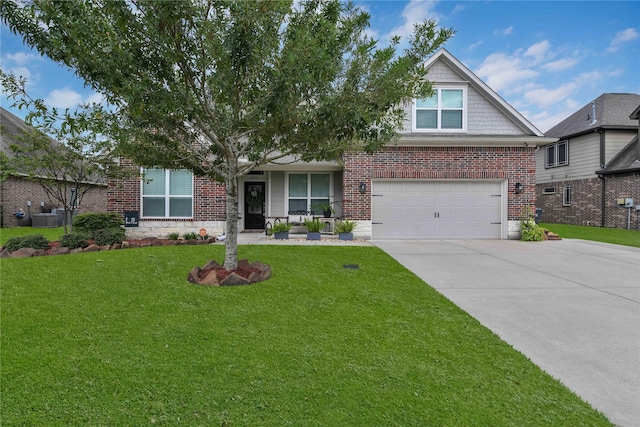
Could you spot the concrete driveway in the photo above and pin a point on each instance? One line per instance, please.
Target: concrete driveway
(571, 306)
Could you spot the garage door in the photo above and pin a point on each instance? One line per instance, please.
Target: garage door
(436, 210)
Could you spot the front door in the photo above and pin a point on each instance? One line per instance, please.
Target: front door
(254, 205)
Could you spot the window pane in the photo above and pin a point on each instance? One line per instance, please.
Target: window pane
(452, 119)
(153, 182)
(451, 98)
(426, 119)
(551, 158)
(180, 206)
(431, 102)
(153, 206)
(320, 185)
(297, 185)
(315, 203)
(297, 205)
(562, 153)
(180, 183)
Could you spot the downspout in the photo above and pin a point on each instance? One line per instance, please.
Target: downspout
(603, 205)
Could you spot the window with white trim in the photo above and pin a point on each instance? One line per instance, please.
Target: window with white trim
(445, 111)
(566, 196)
(167, 193)
(557, 154)
(307, 190)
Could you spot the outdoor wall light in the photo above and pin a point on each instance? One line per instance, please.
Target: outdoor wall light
(362, 187)
(518, 188)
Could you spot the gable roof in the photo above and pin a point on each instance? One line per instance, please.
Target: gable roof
(612, 111)
(627, 160)
(489, 94)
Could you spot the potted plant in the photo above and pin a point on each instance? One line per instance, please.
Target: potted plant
(324, 207)
(344, 229)
(280, 230)
(314, 226)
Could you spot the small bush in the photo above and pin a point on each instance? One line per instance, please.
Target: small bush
(92, 222)
(532, 232)
(74, 240)
(173, 236)
(35, 241)
(345, 226)
(314, 225)
(109, 236)
(192, 235)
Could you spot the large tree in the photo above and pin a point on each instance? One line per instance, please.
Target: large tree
(221, 87)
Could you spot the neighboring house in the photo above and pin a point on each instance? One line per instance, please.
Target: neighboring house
(463, 167)
(575, 176)
(19, 195)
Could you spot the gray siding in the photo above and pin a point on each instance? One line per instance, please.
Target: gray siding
(616, 140)
(483, 118)
(276, 194)
(584, 160)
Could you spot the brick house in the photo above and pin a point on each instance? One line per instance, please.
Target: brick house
(580, 176)
(463, 167)
(19, 194)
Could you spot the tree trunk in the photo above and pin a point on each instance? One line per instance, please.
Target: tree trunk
(231, 242)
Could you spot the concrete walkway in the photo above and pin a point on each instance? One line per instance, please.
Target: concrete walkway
(571, 306)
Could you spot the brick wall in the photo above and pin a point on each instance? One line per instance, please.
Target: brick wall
(16, 191)
(622, 186)
(208, 196)
(586, 202)
(515, 164)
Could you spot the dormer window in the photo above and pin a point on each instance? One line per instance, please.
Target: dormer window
(445, 111)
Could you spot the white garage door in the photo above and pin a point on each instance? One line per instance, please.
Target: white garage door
(436, 210)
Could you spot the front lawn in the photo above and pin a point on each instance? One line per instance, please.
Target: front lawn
(120, 338)
(617, 236)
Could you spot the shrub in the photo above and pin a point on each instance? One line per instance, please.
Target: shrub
(35, 241)
(173, 236)
(74, 240)
(531, 232)
(109, 236)
(314, 225)
(192, 235)
(345, 226)
(92, 222)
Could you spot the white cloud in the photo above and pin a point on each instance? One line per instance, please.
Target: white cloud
(63, 98)
(501, 72)
(561, 64)
(505, 31)
(621, 38)
(475, 45)
(544, 98)
(96, 98)
(416, 11)
(538, 50)
(22, 58)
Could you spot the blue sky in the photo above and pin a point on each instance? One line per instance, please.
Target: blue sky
(546, 58)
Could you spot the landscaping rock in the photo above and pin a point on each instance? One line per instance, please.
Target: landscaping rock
(234, 279)
(105, 247)
(116, 246)
(92, 248)
(61, 250)
(193, 276)
(211, 279)
(76, 251)
(27, 253)
(5, 253)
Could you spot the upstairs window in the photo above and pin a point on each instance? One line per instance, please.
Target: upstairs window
(167, 193)
(445, 111)
(557, 154)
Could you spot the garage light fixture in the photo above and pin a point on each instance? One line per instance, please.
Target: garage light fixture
(518, 188)
(362, 187)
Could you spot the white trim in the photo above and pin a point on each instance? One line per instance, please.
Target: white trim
(308, 173)
(444, 55)
(167, 196)
(438, 87)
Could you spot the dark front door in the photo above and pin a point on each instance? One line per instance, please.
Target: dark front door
(254, 205)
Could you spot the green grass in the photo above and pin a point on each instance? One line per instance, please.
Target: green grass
(50, 233)
(617, 236)
(120, 338)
